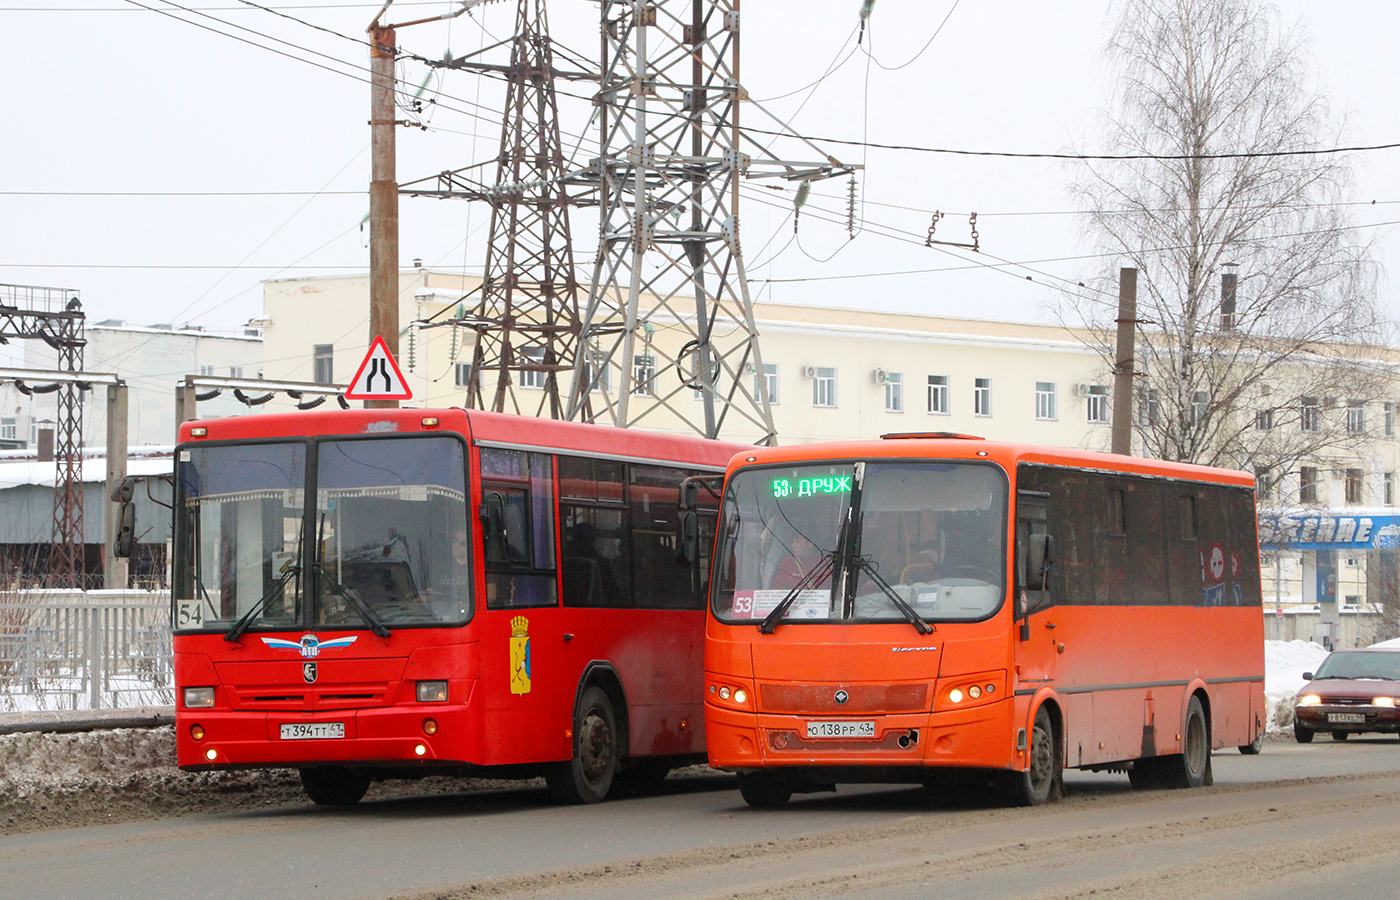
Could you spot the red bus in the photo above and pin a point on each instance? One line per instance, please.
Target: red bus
(931, 608)
(370, 594)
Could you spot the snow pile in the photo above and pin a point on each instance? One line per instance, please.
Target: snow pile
(1284, 665)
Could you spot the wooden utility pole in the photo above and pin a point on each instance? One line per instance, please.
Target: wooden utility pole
(1123, 369)
(383, 200)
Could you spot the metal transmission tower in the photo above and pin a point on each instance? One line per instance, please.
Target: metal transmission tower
(526, 315)
(669, 262)
(55, 316)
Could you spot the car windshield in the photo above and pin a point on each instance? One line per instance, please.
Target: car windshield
(931, 534)
(387, 537)
(1384, 664)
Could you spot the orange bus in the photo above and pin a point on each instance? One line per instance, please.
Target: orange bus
(370, 594)
(931, 607)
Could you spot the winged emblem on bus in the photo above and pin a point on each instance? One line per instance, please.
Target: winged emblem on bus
(309, 645)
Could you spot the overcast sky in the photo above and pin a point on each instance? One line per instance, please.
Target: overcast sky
(164, 170)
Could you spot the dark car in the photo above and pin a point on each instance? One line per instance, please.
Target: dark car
(1352, 692)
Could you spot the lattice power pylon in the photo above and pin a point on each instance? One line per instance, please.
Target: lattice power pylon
(526, 315)
(670, 262)
(55, 316)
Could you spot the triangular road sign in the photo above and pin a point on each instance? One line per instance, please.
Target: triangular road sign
(378, 377)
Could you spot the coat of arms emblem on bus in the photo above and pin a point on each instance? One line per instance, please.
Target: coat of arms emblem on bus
(310, 645)
(520, 655)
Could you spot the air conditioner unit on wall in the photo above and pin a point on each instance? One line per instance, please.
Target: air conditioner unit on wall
(878, 376)
(1081, 389)
(809, 371)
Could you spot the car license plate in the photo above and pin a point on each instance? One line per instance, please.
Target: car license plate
(864, 729)
(1346, 718)
(305, 731)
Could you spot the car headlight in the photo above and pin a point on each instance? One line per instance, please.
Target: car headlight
(1383, 701)
(1309, 700)
(198, 697)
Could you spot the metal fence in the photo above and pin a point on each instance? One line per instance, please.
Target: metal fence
(85, 650)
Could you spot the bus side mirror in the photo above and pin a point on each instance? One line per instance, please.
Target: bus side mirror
(688, 537)
(689, 494)
(125, 538)
(1039, 558)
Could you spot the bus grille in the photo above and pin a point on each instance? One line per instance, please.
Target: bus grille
(793, 742)
(861, 698)
(332, 696)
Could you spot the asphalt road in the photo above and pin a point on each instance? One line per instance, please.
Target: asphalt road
(1296, 820)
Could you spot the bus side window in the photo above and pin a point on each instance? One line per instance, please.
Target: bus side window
(1035, 554)
(596, 538)
(517, 528)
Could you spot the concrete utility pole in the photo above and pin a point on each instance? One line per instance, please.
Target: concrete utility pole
(383, 200)
(1123, 369)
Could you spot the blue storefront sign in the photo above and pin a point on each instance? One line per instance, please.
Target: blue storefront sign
(1328, 529)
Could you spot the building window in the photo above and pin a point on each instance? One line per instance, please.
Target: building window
(894, 392)
(770, 378)
(824, 387)
(1148, 408)
(1389, 488)
(1309, 414)
(235, 371)
(1264, 420)
(1200, 405)
(1045, 400)
(1356, 417)
(1390, 420)
(1096, 404)
(598, 374)
(207, 371)
(1307, 484)
(531, 377)
(462, 375)
(643, 374)
(1356, 486)
(1263, 483)
(8, 430)
(982, 396)
(938, 394)
(322, 356)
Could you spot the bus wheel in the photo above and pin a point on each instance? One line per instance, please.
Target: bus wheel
(1301, 733)
(334, 785)
(1040, 782)
(764, 790)
(1191, 767)
(587, 777)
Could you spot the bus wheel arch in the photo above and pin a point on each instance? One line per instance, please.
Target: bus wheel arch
(1042, 781)
(1191, 768)
(599, 740)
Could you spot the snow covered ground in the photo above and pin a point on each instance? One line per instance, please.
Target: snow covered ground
(1284, 665)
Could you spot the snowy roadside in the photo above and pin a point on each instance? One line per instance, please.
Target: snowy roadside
(112, 775)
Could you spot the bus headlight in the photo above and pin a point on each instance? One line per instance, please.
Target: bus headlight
(199, 697)
(432, 692)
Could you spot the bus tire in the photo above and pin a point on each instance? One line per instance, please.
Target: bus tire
(1301, 733)
(1191, 767)
(1042, 779)
(587, 777)
(764, 790)
(334, 785)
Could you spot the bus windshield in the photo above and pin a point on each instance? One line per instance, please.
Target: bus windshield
(931, 534)
(386, 537)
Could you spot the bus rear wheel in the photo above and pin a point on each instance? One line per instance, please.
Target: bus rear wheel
(1041, 780)
(334, 785)
(764, 790)
(587, 777)
(1191, 767)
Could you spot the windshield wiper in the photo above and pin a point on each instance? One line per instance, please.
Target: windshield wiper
(351, 596)
(899, 602)
(276, 587)
(815, 575)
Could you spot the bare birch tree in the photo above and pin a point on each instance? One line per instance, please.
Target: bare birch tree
(1215, 92)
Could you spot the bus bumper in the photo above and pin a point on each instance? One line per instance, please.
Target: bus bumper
(241, 739)
(977, 737)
